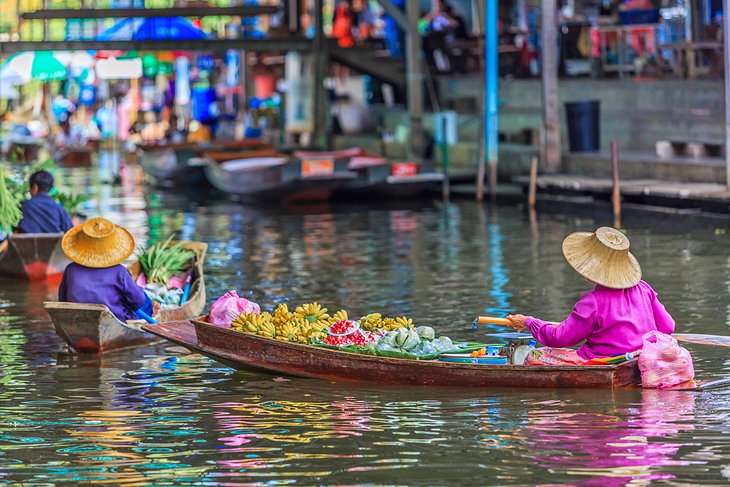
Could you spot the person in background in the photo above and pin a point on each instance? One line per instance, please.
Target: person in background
(96, 275)
(343, 24)
(41, 213)
(613, 317)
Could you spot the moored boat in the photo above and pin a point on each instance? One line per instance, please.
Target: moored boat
(33, 257)
(173, 165)
(381, 178)
(92, 328)
(279, 178)
(256, 353)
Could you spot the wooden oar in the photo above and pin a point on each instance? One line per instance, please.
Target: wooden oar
(699, 339)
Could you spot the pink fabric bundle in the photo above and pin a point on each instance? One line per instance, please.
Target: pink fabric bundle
(663, 363)
(229, 307)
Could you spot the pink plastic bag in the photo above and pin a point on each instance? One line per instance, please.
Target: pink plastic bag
(663, 363)
(229, 307)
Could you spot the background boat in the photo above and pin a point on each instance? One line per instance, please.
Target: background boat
(33, 257)
(92, 328)
(280, 178)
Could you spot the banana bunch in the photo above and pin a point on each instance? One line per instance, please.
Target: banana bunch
(283, 316)
(286, 332)
(258, 324)
(371, 322)
(341, 315)
(313, 313)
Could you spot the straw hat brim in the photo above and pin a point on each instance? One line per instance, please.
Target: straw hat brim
(595, 262)
(98, 252)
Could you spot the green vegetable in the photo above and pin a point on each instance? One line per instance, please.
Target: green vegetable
(70, 201)
(426, 332)
(161, 261)
(10, 214)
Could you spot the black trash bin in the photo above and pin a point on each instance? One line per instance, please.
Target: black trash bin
(584, 128)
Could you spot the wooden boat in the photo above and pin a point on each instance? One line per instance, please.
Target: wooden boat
(174, 165)
(224, 156)
(92, 328)
(33, 257)
(251, 352)
(182, 164)
(278, 178)
(74, 157)
(381, 178)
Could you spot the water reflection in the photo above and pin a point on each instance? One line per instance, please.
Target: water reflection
(161, 416)
(611, 448)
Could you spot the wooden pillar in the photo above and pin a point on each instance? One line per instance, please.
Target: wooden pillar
(414, 82)
(726, 54)
(320, 64)
(550, 114)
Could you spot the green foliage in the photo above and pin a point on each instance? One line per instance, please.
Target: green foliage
(161, 261)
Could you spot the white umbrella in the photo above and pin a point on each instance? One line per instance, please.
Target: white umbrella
(8, 91)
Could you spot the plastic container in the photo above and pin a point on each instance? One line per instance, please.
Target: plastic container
(584, 128)
(466, 359)
(638, 16)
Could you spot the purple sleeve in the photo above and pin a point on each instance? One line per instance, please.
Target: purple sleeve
(664, 321)
(62, 292)
(134, 294)
(572, 331)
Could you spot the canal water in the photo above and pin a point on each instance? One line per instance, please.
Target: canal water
(160, 415)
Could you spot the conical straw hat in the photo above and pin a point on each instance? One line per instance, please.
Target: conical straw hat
(603, 257)
(98, 243)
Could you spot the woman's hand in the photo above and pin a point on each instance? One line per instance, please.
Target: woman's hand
(155, 307)
(517, 322)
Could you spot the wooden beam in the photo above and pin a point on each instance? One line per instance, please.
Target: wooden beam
(284, 44)
(550, 114)
(110, 13)
(414, 83)
(320, 61)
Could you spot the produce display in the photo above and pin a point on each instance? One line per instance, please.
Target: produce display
(10, 214)
(161, 261)
(164, 276)
(19, 186)
(373, 334)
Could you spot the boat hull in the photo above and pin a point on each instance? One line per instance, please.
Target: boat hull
(34, 257)
(280, 182)
(92, 328)
(172, 167)
(251, 352)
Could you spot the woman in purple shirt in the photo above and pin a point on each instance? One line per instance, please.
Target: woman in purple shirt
(611, 318)
(96, 276)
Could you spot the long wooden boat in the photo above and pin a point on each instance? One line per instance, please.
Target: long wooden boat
(251, 352)
(74, 156)
(385, 179)
(174, 166)
(182, 164)
(92, 328)
(279, 178)
(33, 257)
(224, 156)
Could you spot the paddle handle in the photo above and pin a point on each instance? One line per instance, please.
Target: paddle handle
(493, 320)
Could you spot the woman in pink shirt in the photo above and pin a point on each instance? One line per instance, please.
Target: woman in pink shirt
(612, 317)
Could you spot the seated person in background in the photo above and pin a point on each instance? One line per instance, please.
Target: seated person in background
(41, 213)
(613, 317)
(96, 275)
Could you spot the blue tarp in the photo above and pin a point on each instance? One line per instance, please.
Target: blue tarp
(173, 28)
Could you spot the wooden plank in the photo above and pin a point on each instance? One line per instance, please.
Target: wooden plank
(110, 13)
(285, 44)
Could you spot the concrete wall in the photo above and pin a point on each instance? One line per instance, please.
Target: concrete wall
(636, 113)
